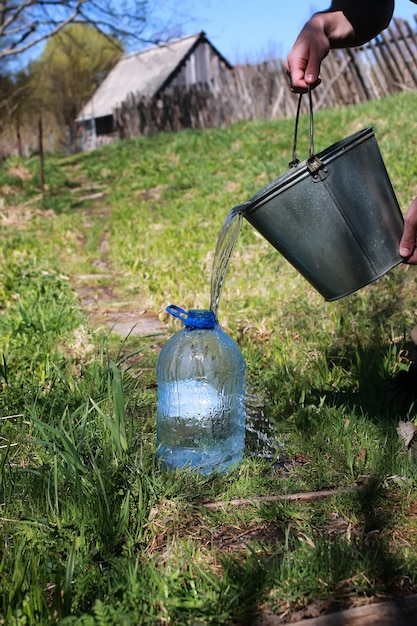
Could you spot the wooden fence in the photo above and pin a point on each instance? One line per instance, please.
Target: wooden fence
(387, 65)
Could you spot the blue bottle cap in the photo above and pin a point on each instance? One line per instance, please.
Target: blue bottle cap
(196, 318)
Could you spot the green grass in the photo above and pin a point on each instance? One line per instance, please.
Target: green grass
(92, 530)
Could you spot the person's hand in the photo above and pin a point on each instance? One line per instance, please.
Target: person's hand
(408, 243)
(303, 64)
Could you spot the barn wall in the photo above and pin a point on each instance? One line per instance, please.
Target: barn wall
(203, 65)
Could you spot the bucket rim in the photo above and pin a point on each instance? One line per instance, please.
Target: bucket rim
(300, 171)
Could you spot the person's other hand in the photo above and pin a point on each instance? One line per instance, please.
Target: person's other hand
(408, 243)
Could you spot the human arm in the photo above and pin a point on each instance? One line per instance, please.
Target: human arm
(346, 23)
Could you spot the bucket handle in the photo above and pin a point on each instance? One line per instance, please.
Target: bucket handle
(313, 163)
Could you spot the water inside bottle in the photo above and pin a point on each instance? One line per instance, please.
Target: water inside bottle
(211, 438)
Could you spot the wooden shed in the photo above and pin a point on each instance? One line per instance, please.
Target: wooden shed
(150, 72)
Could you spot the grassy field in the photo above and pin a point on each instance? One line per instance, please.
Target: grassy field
(93, 532)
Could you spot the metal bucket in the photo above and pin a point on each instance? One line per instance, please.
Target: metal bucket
(335, 216)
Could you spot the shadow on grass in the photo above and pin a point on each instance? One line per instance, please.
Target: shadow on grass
(314, 571)
(247, 581)
(339, 566)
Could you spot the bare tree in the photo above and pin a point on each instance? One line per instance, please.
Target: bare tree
(26, 23)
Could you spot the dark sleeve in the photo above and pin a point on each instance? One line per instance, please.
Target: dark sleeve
(368, 17)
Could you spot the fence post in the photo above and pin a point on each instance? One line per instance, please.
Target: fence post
(41, 160)
(19, 137)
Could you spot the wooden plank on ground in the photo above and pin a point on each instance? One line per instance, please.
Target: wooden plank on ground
(401, 611)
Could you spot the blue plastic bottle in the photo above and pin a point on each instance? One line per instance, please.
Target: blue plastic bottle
(201, 396)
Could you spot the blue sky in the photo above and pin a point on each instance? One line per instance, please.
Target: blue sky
(241, 30)
(248, 31)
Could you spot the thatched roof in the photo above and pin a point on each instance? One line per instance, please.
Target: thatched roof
(145, 72)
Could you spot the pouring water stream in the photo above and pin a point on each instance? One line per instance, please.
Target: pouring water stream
(257, 424)
(225, 245)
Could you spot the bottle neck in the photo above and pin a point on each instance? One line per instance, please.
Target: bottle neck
(196, 318)
(200, 318)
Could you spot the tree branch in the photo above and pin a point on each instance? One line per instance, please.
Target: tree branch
(27, 23)
(287, 497)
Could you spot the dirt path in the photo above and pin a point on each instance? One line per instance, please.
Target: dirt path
(102, 307)
(98, 298)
